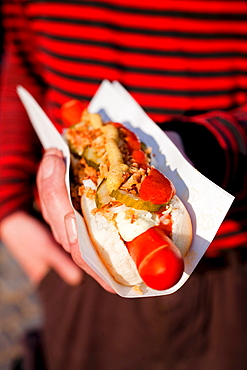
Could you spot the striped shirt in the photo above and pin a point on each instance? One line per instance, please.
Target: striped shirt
(185, 63)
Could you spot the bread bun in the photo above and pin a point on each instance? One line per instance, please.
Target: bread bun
(112, 249)
(181, 225)
(109, 245)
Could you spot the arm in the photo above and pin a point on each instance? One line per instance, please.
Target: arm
(216, 143)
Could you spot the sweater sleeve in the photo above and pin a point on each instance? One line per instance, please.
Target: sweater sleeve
(216, 143)
(19, 146)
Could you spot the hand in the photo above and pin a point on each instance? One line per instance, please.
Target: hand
(32, 245)
(57, 210)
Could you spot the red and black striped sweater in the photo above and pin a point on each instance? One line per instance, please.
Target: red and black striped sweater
(185, 62)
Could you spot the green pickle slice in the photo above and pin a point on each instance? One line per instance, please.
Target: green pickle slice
(76, 151)
(102, 195)
(135, 202)
(91, 157)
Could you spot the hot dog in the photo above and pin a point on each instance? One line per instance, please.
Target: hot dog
(139, 227)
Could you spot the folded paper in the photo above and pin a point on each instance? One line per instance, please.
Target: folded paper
(206, 202)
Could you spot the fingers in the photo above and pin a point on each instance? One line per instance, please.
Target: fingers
(33, 246)
(71, 229)
(58, 212)
(54, 198)
(64, 266)
(76, 254)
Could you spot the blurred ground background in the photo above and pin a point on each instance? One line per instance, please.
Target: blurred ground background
(19, 309)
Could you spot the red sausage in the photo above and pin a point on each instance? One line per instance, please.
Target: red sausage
(157, 258)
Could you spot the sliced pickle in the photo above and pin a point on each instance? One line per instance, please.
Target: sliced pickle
(77, 152)
(70, 136)
(91, 157)
(133, 201)
(144, 148)
(102, 194)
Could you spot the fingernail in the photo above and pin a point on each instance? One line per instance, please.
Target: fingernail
(48, 166)
(71, 228)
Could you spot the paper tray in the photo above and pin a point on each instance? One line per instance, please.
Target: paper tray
(206, 202)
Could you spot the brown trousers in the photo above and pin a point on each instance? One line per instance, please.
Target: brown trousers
(202, 326)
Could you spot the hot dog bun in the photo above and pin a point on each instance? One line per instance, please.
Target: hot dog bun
(137, 224)
(112, 249)
(109, 245)
(181, 225)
